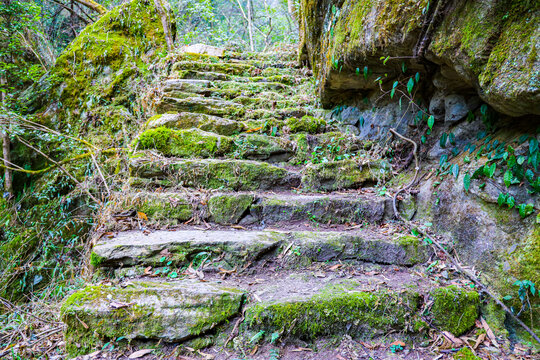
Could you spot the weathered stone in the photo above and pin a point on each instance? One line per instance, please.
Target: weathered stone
(455, 309)
(184, 143)
(134, 248)
(215, 174)
(229, 209)
(203, 105)
(345, 174)
(187, 120)
(336, 310)
(146, 310)
(263, 147)
(202, 49)
(334, 209)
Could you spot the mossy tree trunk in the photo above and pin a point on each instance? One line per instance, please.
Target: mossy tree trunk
(100, 9)
(6, 145)
(164, 9)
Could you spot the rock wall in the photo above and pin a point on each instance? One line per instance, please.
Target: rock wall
(486, 46)
(461, 78)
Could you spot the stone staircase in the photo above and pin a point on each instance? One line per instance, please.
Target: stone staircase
(246, 219)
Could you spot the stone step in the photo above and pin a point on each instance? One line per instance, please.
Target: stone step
(152, 169)
(231, 249)
(240, 109)
(207, 87)
(252, 210)
(318, 302)
(210, 174)
(236, 68)
(289, 80)
(169, 312)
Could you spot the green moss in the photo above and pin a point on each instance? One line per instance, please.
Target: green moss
(263, 147)
(96, 260)
(455, 309)
(184, 143)
(308, 124)
(213, 174)
(228, 209)
(466, 354)
(345, 174)
(357, 313)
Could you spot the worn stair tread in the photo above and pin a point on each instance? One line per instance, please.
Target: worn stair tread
(142, 309)
(230, 248)
(211, 173)
(307, 304)
(251, 209)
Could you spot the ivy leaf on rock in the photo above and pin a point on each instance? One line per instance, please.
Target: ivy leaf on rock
(467, 182)
(455, 170)
(430, 122)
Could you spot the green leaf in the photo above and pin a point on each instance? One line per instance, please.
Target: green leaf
(362, 121)
(443, 139)
(430, 122)
(483, 109)
(521, 160)
(507, 297)
(529, 175)
(392, 93)
(525, 210)
(366, 72)
(410, 85)
(502, 199)
(455, 170)
(395, 85)
(507, 178)
(467, 182)
(452, 138)
(443, 159)
(491, 170)
(162, 259)
(510, 201)
(403, 67)
(533, 145)
(417, 77)
(385, 60)
(423, 139)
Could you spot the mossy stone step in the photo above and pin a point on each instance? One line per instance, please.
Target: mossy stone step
(250, 209)
(205, 105)
(358, 309)
(230, 248)
(211, 174)
(344, 174)
(236, 68)
(289, 80)
(146, 310)
(188, 120)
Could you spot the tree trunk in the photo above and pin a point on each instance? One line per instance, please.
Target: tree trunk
(250, 24)
(164, 10)
(100, 9)
(6, 149)
(292, 9)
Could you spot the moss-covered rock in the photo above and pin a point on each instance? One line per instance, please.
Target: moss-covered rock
(184, 143)
(214, 174)
(363, 314)
(455, 309)
(345, 174)
(186, 120)
(466, 354)
(263, 147)
(145, 310)
(229, 209)
(308, 124)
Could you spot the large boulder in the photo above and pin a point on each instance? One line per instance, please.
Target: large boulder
(486, 46)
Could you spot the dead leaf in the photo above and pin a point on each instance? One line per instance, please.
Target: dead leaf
(95, 353)
(397, 342)
(255, 129)
(301, 349)
(479, 340)
(453, 339)
(335, 267)
(142, 216)
(205, 355)
(254, 351)
(119, 304)
(490, 333)
(238, 227)
(140, 353)
(148, 271)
